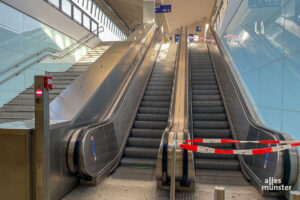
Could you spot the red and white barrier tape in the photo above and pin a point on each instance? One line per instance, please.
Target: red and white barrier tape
(202, 149)
(214, 141)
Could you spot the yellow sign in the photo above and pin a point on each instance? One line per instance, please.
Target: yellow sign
(166, 39)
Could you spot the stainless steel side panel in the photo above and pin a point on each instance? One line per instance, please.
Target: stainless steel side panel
(99, 155)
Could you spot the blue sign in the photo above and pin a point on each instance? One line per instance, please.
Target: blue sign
(264, 3)
(163, 8)
(177, 37)
(198, 29)
(191, 37)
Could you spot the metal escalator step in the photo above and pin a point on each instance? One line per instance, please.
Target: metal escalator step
(207, 103)
(163, 104)
(157, 93)
(156, 83)
(199, 70)
(147, 133)
(161, 75)
(205, 87)
(138, 162)
(152, 117)
(140, 152)
(144, 142)
(215, 156)
(206, 92)
(150, 110)
(210, 110)
(153, 79)
(150, 124)
(203, 78)
(157, 98)
(195, 74)
(209, 117)
(221, 177)
(206, 97)
(158, 88)
(217, 164)
(204, 83)
(211, 124)
(212, 133)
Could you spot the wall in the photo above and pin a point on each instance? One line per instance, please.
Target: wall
(263, 43)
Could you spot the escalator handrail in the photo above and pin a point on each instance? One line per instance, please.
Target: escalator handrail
(254, 123)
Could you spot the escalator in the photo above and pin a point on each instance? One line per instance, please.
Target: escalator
(152, 117)
(210, 121)
(134, 177)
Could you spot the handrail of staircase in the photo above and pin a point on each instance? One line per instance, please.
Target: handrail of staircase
(80, 42)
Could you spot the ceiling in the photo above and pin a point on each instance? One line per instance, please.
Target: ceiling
(129, 11)
(184, 12)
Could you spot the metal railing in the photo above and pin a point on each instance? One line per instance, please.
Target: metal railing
(60, 54)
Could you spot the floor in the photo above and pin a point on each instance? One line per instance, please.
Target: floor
(137, 184)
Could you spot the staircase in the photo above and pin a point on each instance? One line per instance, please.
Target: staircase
(22, 107)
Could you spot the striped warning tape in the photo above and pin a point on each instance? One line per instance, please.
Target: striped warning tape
(212, 141)
(202, 149)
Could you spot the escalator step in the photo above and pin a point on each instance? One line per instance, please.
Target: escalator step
(138, 152)
(205, 87)
(208, 110)
(211, 124)
(203, 78)
(209, 117)
(212, 133)
(157, 98)
(206, 97)
(155, 104)
(150, 124)
(215, 156)
(152, 79)
(158, 88)
(156, 83)
(139, 163)
(219, 164)
(204, 83)
(152, 117)
(150, 110)
(147, 133)
(206, 92)
(194, 74)
(207, 103)
(144, 142)
(157, 93)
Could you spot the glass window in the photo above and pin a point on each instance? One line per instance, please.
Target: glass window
(55, 3)
(89, 5)
(77, 15)
(92, 7)
(94, 27)
(66, 7)
(99, 13)
(86, 21)
(96, 11)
